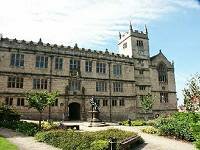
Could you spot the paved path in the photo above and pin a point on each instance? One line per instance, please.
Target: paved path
(154, 142)
(24, 142)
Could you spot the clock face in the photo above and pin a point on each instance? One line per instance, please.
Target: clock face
(141, 52)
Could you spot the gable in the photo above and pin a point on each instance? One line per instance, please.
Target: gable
(160, 58)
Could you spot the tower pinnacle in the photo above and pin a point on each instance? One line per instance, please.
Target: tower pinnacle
(131, 28)
(120, 35)
(146, 29)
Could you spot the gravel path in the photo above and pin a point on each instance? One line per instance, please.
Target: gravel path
(24, 142)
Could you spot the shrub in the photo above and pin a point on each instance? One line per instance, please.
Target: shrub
(8, 114)
(48, 125)
(81, 140)
(125, 123)
(138, 123)
(196, 133)
(150, 130)
(27, 128)
(151, 122)
(8, 124)
(178, 125)
(133, 123)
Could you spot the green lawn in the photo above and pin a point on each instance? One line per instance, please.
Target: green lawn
(6, 145)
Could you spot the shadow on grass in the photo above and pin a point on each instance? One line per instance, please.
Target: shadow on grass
(139, 147)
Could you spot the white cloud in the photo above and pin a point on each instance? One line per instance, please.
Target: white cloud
(88, 22)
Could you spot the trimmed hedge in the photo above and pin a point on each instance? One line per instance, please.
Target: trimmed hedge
(8, 114)
(82, 140)
(27, 128)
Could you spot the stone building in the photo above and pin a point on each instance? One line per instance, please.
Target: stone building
(117, 81)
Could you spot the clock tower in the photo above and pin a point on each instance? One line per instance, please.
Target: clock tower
(134, 43)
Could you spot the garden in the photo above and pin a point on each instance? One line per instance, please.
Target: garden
(66, 139)
(181, 125)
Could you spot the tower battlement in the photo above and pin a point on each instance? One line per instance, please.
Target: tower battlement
(134, 33)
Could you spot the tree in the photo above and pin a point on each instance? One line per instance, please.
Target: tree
(40, 100)
(147, 102)
(192, 94)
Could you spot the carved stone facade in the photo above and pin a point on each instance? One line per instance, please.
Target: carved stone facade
(117, 81)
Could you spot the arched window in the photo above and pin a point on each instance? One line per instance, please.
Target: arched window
(162, 73)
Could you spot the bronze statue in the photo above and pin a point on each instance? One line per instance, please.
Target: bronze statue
(94, 104)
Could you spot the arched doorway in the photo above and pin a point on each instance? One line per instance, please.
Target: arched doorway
(74, 111)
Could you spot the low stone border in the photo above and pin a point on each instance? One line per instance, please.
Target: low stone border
(126, 144)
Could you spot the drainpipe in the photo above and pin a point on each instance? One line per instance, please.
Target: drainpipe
(110, 99)
(50, 83)
(66, 103)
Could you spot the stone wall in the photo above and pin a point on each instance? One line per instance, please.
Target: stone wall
(131, 78)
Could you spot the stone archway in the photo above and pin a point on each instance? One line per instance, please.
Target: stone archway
(74, 111)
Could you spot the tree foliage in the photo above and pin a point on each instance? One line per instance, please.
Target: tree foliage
(192, 94)
(147, 102)
(40, 100)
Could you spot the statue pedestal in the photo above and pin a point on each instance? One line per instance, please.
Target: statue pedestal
(95, 121)
(95, 116)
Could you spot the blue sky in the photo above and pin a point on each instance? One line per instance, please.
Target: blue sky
(178, 35)
(174, 26)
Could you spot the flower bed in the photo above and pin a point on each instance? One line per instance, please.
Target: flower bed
(82, 140)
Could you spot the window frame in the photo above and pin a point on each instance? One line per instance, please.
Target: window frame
(141, 72)
(118, 87)
(117, 69)
(75, 85)
(58, 63)
(121, 102)
(74, 64)
(40, 83)
(142, 87)
(41, 61)
(15, 82)
(162, 73)
(88, 66)
(101, 67)
(20, 101)
(164, 97)
(101, 86)
(105, 102)
(140, 43)
(114, 102)
(17, 60)
(9, 101)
